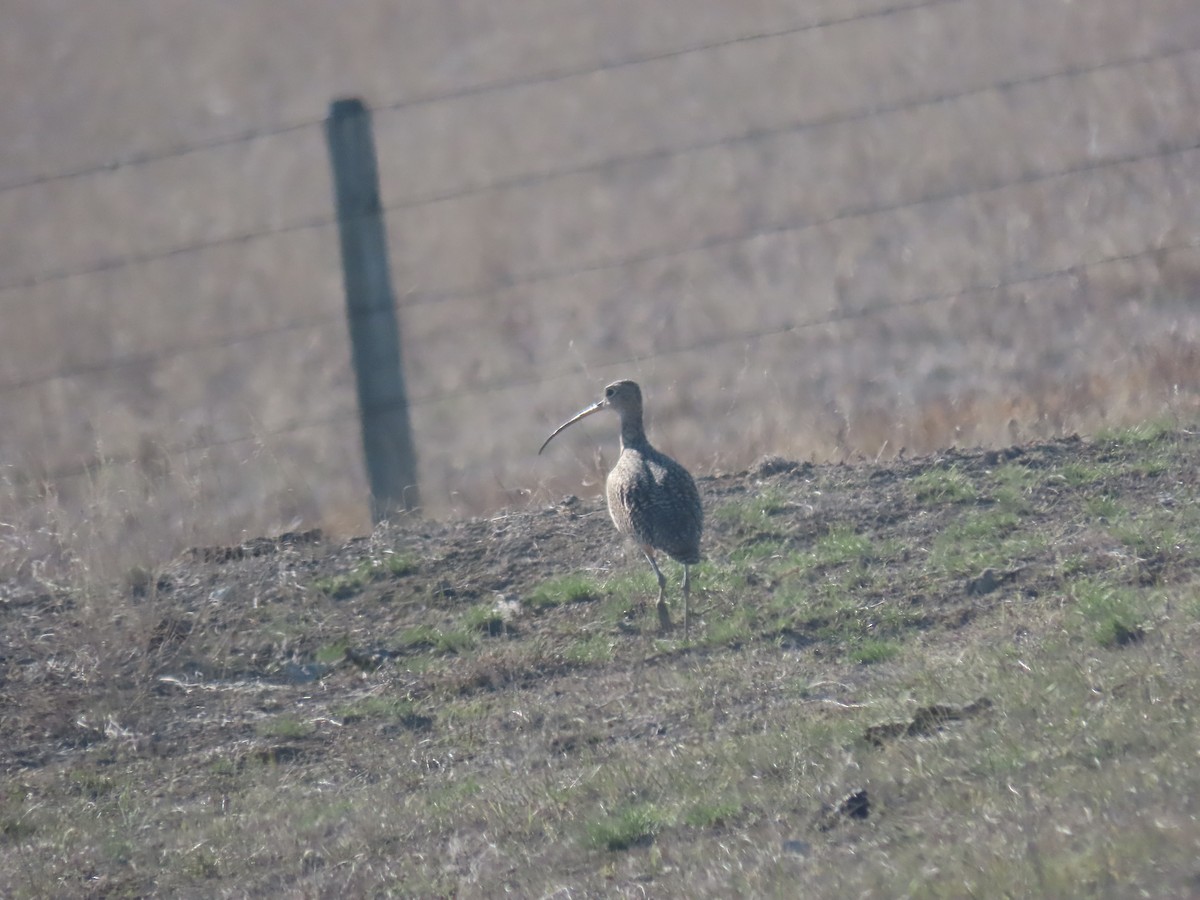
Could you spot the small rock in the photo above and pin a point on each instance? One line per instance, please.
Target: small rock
(855, 805)
(985, 583)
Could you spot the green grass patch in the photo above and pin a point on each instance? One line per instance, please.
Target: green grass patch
(449, 798)
(456, 640)
(468, 712)
(1082, 474)
(1014, 486)
(614, 609)
(873, 650)
(639, 585)
(837, 594)
(712, 813)
(1114, 614)
(438, 640)
(948, 485)
(285, 728)
(759, 547)
(1106, 508)
(575, 588)
(399, 564)
(595, 649)
(730, 629)
(988, 524)
(632, 825)
(1074, 565)
(1016, 477)
(841, 544)
(484, 618)
(841, 555)
(223, 766)
(717, 578)
(379, 707)
(346, 584)
(1151, 468)
(1141, 435)
(332, 653)
(797, 565)
(981, 539)
(753, 512)
(1149, 535)
(417, 637)
(835, 612)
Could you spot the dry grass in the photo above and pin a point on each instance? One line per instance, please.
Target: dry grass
(939, 164)
(985, 227)
(992, 649)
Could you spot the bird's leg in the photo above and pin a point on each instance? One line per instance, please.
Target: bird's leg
(687, 584)
(664, 618)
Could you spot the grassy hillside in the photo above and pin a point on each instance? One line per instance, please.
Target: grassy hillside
(972, 674)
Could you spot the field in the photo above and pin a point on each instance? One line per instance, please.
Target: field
(830, 230)
(943, 254)
(967, 674)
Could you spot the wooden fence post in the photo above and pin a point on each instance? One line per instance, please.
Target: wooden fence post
(370, 305)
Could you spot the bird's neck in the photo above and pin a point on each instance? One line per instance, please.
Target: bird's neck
(633, 435)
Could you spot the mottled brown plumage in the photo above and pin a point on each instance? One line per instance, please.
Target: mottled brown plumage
(651, 498)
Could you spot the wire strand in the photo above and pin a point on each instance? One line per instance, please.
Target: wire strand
(706, 344)
(556, 273)
(529, 180)
(499, 85)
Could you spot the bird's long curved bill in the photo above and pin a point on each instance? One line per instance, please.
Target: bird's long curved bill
(582, 414)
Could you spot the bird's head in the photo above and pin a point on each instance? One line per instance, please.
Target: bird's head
(624, 397)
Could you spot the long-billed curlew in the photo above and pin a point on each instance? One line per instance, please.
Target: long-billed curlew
(651, 498)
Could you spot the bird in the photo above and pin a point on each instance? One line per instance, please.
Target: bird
(651, 498)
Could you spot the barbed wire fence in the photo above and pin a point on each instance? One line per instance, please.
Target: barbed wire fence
(1157, 163)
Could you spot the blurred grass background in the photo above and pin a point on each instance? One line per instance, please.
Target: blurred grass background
(824, 230)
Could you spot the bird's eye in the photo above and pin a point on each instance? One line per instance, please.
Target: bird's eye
(609, 392)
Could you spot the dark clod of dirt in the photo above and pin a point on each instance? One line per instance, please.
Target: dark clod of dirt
(263, 546)
(144, 583)
(927, 720)
(773, 465)
(855, 805)
(444, 590)
(280, 754)
(1124, 635)
(998, 457)
(984, 583)
(495, 626)
(791, 639)
(988, 580)
(368, 660)
(416, 722)
(171, 630)
(570, 742)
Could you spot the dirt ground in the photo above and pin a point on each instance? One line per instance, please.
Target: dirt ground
(431, 651)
